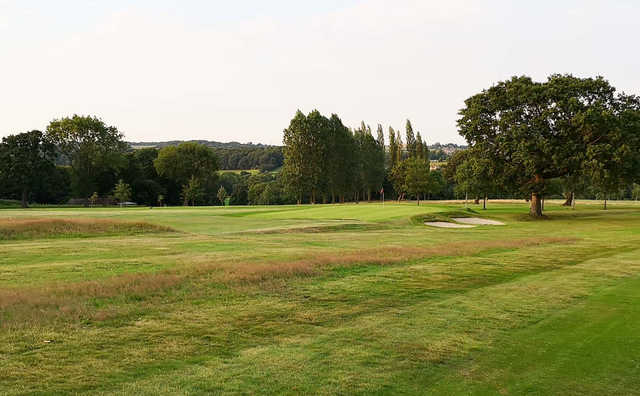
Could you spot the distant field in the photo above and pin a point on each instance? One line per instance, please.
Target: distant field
(238, 171)
(320, 299)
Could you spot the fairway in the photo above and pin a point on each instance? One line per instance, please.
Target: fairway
(320, 299)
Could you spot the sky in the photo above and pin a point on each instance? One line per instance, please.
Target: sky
(238, 70)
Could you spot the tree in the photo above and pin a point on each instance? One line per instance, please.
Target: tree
(393, 148)
(531, 132)
(417, 177)
(146, 191)
(192, 193)
(95, 150)
(411, 140)
(93, 199)
(449, 170)
(398, 179)
(635, 192)
(341, 161)
(25, 160)
(474, 176)
(187, 162)
(437, 183)
(380, 138)
(222, 194)
(122, 192)
(399, 148)
(371, 161)
(297, 147)
(54, 187)
(614, 161)
(420, 149)
(571, 184)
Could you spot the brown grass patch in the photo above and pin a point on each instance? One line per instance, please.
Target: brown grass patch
(12, 229)
(73, 301)
(396, 254)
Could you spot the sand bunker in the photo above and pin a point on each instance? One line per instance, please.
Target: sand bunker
(476, 221)
(444, 224)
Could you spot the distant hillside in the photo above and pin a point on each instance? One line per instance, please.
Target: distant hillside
(232, 155)
(447, 148)
(235, 155)
(209, 143)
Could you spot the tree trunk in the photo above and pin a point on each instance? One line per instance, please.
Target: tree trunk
(536, 205)
(466, 197)
(605, 202)
(476, 201)
(24, 202)
(568, 199)
(484, 203)
(542, 203)
(573, 200)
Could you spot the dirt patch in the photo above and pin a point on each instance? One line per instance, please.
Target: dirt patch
(476, 221)
(444, 224)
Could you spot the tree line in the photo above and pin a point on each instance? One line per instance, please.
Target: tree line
(325, 161)
(101, 167)
(565, 137)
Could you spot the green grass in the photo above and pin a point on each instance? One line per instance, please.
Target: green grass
(238, 171)
(321, 299)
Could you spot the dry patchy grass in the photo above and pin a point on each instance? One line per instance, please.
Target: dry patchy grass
(28, 228)
(21, 307)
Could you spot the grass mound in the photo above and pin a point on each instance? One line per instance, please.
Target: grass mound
(420, 219)
(13, 229)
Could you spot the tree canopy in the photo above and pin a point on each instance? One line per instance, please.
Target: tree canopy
(25, 160)
(530, 132)
(93, 148)
(191, 165)
(325, 160)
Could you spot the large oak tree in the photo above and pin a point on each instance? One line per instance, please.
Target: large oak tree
(531, 132)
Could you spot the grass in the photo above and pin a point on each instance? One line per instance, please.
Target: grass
(31, 228)
(344, 299)
(238, 171)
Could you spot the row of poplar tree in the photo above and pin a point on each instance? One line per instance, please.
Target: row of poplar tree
(325, 161)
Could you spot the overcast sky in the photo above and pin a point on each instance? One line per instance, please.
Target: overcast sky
(238, 70)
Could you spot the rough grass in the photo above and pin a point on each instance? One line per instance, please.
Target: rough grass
(27, 306)
(31, 228)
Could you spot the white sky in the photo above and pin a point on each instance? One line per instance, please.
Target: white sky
(238, 70)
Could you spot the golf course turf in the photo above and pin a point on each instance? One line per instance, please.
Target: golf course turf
(320, 299)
